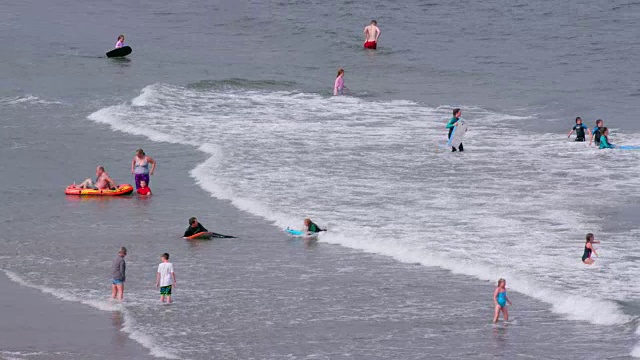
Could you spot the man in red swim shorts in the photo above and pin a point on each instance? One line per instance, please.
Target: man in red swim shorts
(371, 35)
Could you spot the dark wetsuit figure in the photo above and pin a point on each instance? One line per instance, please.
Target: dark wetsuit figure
(194, 230)
(579, 128)
(314, 228)
(596, 135)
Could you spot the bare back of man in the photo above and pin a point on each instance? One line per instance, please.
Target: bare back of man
(104, 182)
(371, 35)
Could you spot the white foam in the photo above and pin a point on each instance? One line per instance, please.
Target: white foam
(104, 305)
(26, 100)
(505, 208)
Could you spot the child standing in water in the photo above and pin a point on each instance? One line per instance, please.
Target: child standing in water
(588, 249)
(338, 86)
(500, 299)
(579, 128)
(596, 133)
(165, 278)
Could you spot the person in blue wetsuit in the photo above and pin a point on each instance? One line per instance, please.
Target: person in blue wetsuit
(604, 140)
(452, 124)
(588, 249)
(500, 299)
(596, 132)
(579, 128)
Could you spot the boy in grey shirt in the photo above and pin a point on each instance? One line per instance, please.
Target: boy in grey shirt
(118, 275)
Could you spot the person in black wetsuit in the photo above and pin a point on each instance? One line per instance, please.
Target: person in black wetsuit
(588, 249)
(579, 129)
(597, 132)
(194, 228)
(311, 227)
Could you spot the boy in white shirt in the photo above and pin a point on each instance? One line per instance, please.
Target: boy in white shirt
(165, 278)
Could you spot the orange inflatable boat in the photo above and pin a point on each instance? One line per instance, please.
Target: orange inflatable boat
(123, 189)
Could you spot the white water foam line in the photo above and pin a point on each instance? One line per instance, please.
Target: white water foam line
(507, 192)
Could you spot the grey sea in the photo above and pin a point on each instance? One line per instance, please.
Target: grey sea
(233, 99)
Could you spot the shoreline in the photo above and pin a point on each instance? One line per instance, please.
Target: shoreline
(35, 323)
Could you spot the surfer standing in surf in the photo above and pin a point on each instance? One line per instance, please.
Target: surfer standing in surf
(452, 124)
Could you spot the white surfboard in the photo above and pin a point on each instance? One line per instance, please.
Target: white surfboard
(458, 133)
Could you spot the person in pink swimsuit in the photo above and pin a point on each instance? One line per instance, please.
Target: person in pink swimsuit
(338, 86)
(120, 42)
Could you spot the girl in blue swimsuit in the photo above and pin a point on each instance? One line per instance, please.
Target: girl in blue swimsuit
(500, 299)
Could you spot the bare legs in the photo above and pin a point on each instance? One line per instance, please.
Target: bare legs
(496, 314)
(117, 291)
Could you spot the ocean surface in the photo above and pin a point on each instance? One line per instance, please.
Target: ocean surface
(233, 100)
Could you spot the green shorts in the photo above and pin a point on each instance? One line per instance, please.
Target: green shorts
(165, 290)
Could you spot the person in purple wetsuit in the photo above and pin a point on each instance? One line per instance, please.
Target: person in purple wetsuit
(140, 167)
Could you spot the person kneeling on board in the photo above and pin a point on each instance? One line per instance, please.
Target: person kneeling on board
(194, 228)
(309, 226)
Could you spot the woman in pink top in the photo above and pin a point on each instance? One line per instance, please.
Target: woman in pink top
(120, 42)
(338, 86)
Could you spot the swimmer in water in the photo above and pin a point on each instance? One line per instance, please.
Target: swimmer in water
(579, 129)
(588, 249)
(338, 86)
(500, 299)
(371, 35)
(120, 42)
(604, 139)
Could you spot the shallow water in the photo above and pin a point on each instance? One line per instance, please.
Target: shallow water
(242, 91)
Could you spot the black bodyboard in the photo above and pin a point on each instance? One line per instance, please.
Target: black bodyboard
(121, 52)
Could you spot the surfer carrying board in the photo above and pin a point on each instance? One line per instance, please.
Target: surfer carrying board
(452, 124)
(120, 42)
(588, 249)
(194, 227)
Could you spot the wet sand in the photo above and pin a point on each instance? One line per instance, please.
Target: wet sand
(37, 325)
